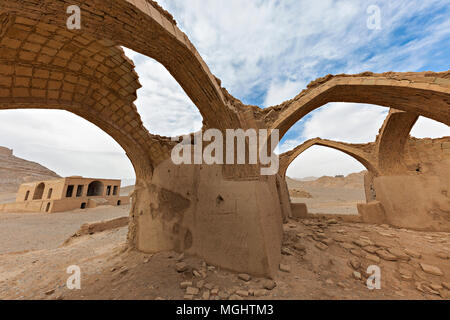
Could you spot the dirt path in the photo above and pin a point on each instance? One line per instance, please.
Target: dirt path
(36, 231)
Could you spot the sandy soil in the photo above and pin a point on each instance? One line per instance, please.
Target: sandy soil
(7, 197)
(325, 260)
(330, 200)
(35, 231)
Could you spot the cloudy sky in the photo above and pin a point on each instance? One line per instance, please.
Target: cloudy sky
(265, 52)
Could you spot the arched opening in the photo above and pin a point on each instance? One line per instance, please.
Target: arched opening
(39, 191)
(49, 195)
(159, 88)
(47, 208)
(119, 202)
(83, 205)
(27, 195)
(327, 181)
(95, 189)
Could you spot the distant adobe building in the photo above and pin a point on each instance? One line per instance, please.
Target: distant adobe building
(66, 194)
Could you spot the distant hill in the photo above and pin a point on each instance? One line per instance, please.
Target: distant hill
(352, 181)
(14, 171)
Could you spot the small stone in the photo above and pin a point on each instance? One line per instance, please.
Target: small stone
(436, 287)
(342, 285)
(185, 284)
(200, 284)
(431, 269)
(321, 246)
(413, 253)
(181, 267)
(242, 293)
(383, 254)
(206, 295)
(113, 269)
(188, 297)
(260, 292)
(363, 242)
(299, 247)
(356, 252)
(400, 254)
(223, 295)
(357, 275)
(332, 221)
(327, 241)
(372, 257)
(329, 281)
(269, 284)
(245, 277)
(215, 292)
(50, 292)
(181, 257)
(208, 286)
(370, 249)
(192, 291)
(347, 246)
(355, 264)
(211, 268)
(286, 252)
(124, 270)
(196, 274)
(285, 268)
(446, 285)
(443, 255)
(235, 297)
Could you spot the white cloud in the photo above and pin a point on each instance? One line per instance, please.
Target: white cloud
(63, 142)
(428, 128)
(164, 107)
(279, 92)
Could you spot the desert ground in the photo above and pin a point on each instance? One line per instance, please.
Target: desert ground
(322, 259)
(329, 195)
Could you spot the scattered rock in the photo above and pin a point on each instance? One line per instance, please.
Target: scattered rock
(181, 267)
(185, 284)
(372, 257)
(300, 247)
(235, 297)
(269, 284)
(400, 254)
(446, 285)
(362, 242)
(50, 292)
(200, 284)
(321, 246)
(215, 292)
(443, 255)
(260, 293)
(371, 249)
(356, 252)
(206, 295)
(357, 275)
(242, 293)
(245, 277)
(192, 291)
(286, 252)
(355, 264)
(383, 254)
(285, 268)
(431, 269)
(413, 253)
(181, 257)
(188, 297)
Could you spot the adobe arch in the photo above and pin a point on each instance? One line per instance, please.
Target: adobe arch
(361, 153)
(143, 26)
(426, 94)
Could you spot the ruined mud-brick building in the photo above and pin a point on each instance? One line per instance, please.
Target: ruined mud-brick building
(66, 194)
(229, 215)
